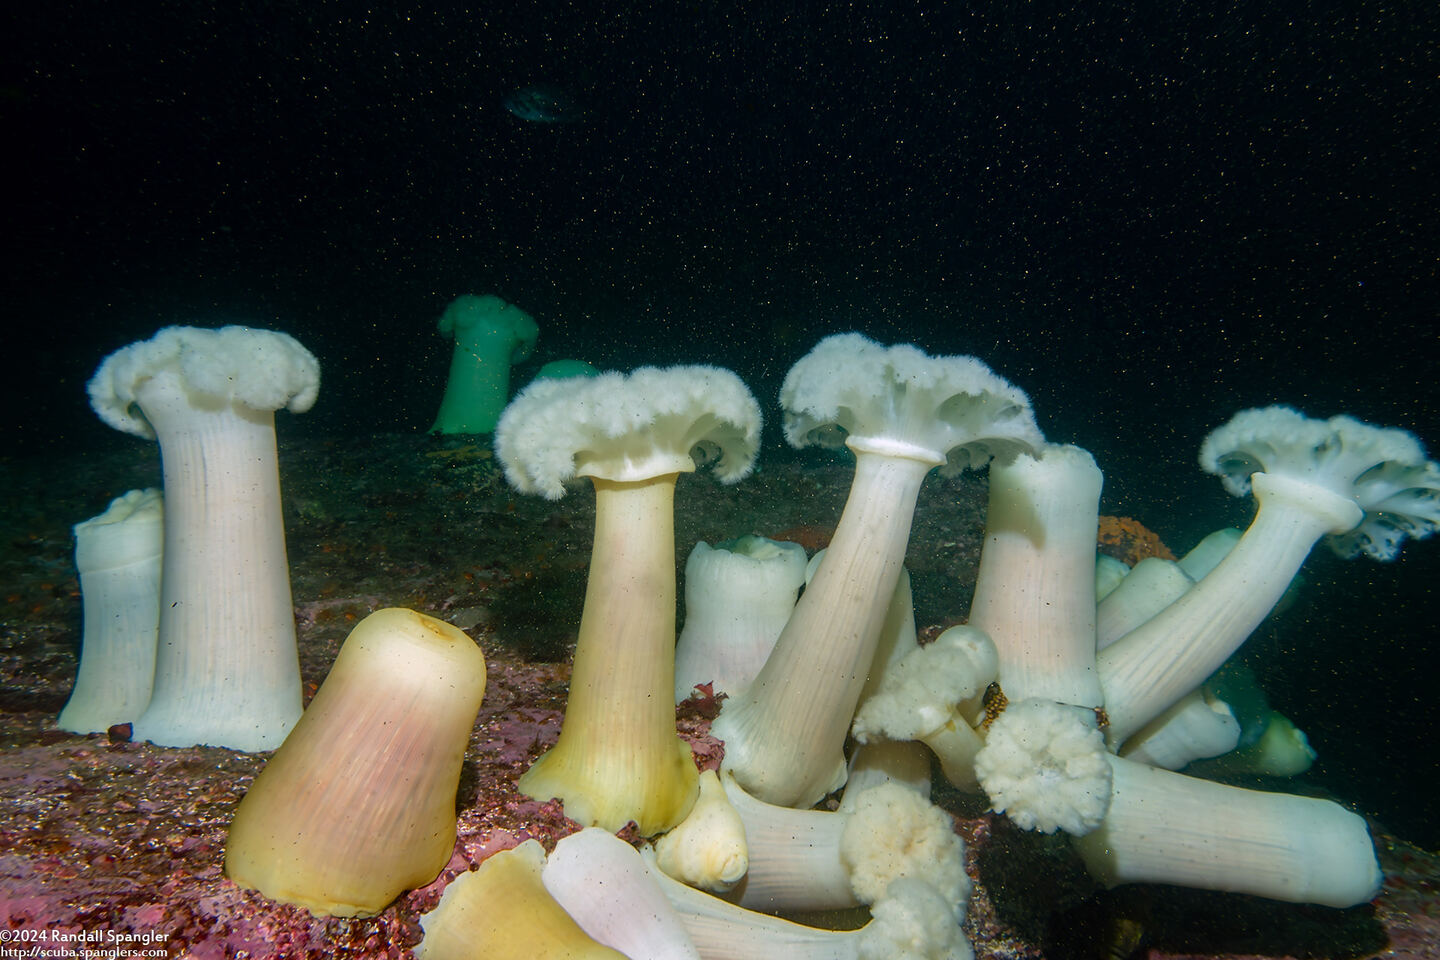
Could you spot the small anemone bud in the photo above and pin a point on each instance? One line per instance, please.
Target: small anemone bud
(358, 804)
(708, 849)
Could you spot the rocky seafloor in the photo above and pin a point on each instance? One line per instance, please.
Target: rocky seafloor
(123, 843)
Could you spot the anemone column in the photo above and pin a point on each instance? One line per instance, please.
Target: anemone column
(902, 413)
(808, 689)
(618, 757)
(226, 669)
(224, 572)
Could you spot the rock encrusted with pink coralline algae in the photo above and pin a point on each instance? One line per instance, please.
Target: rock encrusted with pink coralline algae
(129, 837)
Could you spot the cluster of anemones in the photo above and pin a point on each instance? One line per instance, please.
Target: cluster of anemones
(1103, 675)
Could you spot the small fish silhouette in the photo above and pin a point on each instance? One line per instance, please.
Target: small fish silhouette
(544, 103)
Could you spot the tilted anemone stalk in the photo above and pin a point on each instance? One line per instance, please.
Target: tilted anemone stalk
(902, 414)
(863, 561)
(1363, 487)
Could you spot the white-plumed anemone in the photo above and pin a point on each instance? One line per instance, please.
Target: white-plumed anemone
(1109, 574)
(811, 860)
(618, 758)
(1165, 827)
(489, 335)
(118, 556)
(226, 668)
(1197, 726)
(358, 804)
(1153, 585)
(260, 370)
(909, 925)
(890, 761)
(1382, 469)
(912, 922)
(1207, 554)
(1035, 591)
(903, 414)
(1281, 750)
(622, 427)
(891, 832)
(900, 400)
(605, 884)
(931, 696)
(1367, 486)
(738, 596)
(1044, 766)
